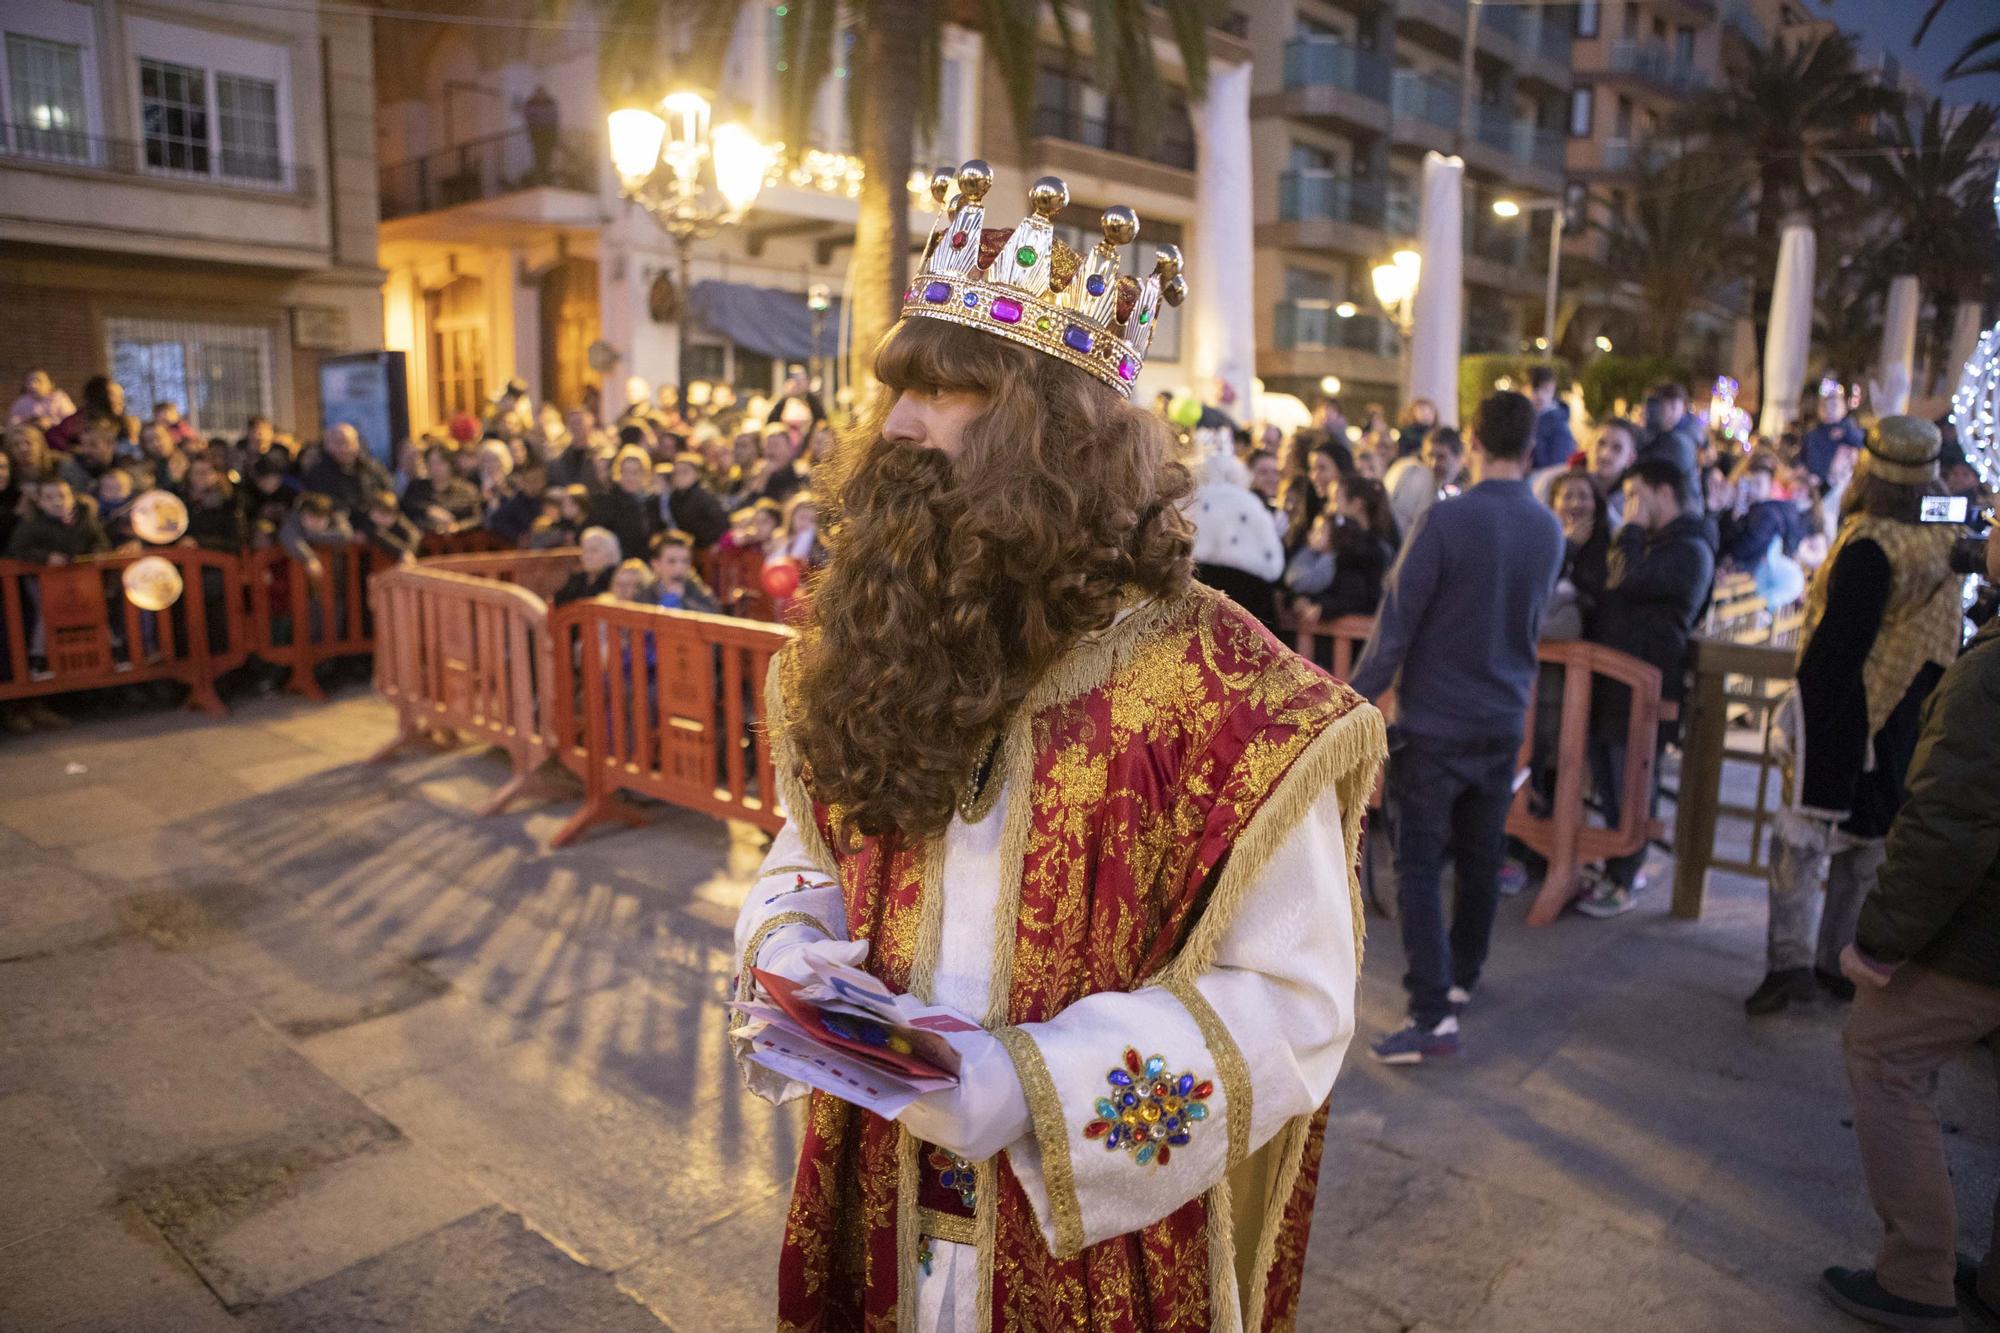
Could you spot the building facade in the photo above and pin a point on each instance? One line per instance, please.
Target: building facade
(1350, 95)
(187, 201)
(510, 253)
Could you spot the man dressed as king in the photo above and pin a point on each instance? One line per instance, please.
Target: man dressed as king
(1034, 774)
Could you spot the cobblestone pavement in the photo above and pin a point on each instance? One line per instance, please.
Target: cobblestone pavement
(293, 1041)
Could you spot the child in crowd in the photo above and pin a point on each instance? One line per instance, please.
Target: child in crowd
(1310, 571)
(58, 529)
(391, 533)
(41, 404)
(601, 554)
(315, 521)
(565, 514)
(631, 581)
(267, 500)
(115, 494)
(758, 531)
(677, 586)
(801, 532)
(215, 523)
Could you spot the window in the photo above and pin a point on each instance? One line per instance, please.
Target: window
(1624, 117)
(457, 316)
(220, 374)
(247, 116)
(45, 99)
(1684, 47)
(173, 101)
(1586, 18)
(1581, 103)
(1311, 157)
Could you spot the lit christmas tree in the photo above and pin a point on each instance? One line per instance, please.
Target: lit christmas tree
(1975, 408)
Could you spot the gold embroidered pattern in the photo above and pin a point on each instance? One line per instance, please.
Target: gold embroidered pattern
(1230, 1067)
(1051, 1136)
(771, 926)
(947, 1226)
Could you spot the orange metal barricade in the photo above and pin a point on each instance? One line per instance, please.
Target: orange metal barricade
(301, 621)
(540, 572)
(70, 627)
(459, 654)
(664, 704)
(1564, 835)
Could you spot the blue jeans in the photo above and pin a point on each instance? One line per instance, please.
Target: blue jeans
(1447, 799)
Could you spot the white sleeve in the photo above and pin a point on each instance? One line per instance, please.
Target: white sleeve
(791, 901)
(1266, 1028)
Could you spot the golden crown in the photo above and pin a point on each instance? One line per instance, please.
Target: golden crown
(1025, 285)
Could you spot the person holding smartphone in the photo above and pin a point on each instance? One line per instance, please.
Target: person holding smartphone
(1882, 623)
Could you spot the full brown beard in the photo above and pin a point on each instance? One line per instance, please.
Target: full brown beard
(913, 653)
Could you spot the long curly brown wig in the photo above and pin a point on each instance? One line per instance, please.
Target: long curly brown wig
(952, 584)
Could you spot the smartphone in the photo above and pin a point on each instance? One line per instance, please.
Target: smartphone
(1943, 509)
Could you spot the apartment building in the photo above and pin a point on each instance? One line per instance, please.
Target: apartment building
(1350, 94)
(187, 201)
(508, 261)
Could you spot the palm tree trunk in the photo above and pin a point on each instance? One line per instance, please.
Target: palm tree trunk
(890, 47)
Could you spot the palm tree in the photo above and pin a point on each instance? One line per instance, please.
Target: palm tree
(892, 75)
(1791, 114)
(1933, 179)
(1676, 239)
(1971, 60)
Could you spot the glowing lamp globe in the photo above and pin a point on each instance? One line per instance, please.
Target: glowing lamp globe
(781, 579)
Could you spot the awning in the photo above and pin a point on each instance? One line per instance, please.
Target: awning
(765, 320)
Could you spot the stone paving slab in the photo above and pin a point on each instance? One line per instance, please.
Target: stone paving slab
(314, 1047)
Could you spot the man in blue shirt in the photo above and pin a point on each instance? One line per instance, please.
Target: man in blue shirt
(1833, 432)
(1554, 443)
(1456, 638)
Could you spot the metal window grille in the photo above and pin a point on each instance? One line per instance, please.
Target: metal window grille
(45, 99)
(173, 103)
(247, 118)
(220, 374)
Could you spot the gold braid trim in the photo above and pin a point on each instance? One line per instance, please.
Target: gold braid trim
(907, 1238)
(770, 926)
(791, 789)
(1051, 1136)
(985, 1235)
(1347, 755)
(1016, 771)
(1230, 1066)
(1290, 1151)
(930, 920)
(775, 871)
(948, 1226)
(1225, 1306)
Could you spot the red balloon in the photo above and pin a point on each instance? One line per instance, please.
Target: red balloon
(781, 579)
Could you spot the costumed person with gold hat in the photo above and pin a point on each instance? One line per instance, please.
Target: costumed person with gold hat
(1037, 775)
(1882, 623)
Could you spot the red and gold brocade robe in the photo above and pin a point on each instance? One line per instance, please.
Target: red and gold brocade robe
(1169, 869)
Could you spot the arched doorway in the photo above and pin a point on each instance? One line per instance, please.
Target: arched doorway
(569, 326)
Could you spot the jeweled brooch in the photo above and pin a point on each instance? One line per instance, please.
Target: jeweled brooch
(1149, 1111)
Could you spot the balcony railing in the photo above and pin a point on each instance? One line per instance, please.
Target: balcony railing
(1314, 61)
(1656, 63)
(1548, 32)
(1311, 325)
(1174, 148)
(1426, 97)
(226, 167)
(1503, 244)
(1618, 154)
(1522, 140)
(488, 168)
(1317, 195)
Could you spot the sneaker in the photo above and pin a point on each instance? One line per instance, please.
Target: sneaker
(1781, 988)
(1607, 900)
(1835, 985)
(1414, 1044)
(1856, 1291)
(1513, 879)
(1460, 996)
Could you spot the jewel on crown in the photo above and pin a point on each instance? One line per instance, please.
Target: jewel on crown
(1028, 286)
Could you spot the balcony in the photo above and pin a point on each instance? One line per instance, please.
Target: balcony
(1330, 196)
(1655, 63)
(1174, 147)
(1309, 325)
(1546, 36)
(1313, 61)
(1426, 98)
(488, 168)
(1522, 140)
(189, 163)
(1502, 244)
(1618, 155)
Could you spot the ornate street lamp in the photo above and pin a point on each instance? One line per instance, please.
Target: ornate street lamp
(1396, 288)
(692, 178)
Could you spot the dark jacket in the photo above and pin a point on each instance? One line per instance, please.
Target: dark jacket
(697, 512)
(218, 527)
(583, 584)
(1680, 446)
(632, 518)
(1361, 561)
(352, 488)
(1747, 540)
(1937, 900)
(37, 536)
(1553, 441)
(1653, 596)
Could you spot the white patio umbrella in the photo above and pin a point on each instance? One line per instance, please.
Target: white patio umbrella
(1789, 336)
(1221, 319)
(1895, 373)
(1440, 301)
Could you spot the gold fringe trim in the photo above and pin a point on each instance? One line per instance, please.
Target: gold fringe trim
(1347, 755)
(1017, 776)
(1290, 1146)
(1230, 1066)
(1051, 1136)
(770, 926)
(985, 1235)
(907, 1238)
(1225, 1306)
(791, 789)
(930, 920)
(1092, 661)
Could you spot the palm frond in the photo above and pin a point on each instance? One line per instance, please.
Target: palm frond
(1010, 37)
